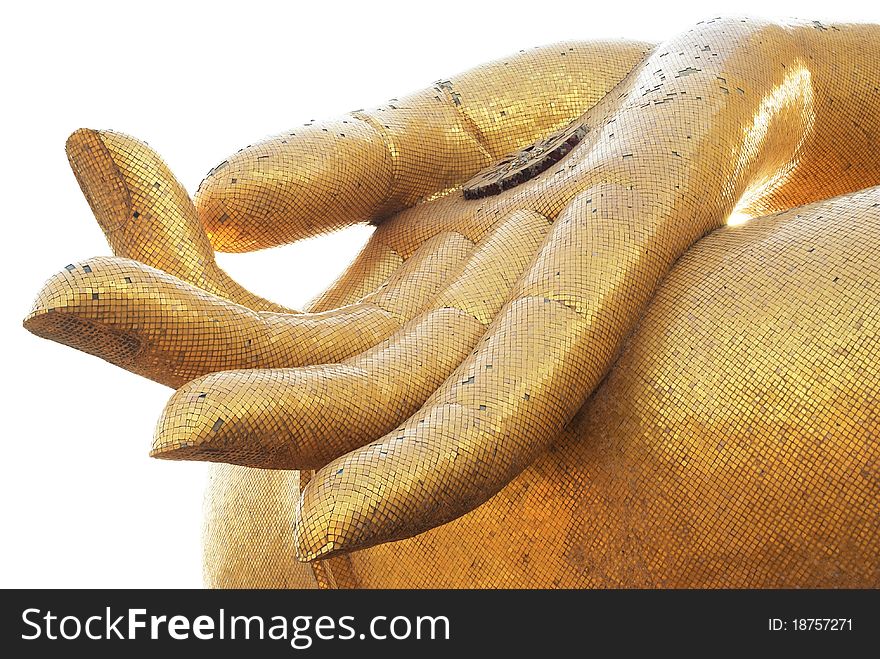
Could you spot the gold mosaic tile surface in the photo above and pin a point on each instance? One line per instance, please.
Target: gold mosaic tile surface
(584, 379)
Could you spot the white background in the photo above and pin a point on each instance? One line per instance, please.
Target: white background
(82, 504)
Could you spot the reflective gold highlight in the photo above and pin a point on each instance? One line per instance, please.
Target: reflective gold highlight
(628, 208)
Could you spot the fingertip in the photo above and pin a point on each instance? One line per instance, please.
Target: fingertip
(336, 512)
(72, 309)
(311, 540)
(79, 138)
(195, 423)
(209, 420)
(99, 178)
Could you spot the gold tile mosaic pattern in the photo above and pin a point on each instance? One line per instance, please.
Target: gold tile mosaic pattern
(559, 384)
(370, 164)
(733, 444)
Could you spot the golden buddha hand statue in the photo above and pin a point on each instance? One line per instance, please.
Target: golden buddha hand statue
(553, 364)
